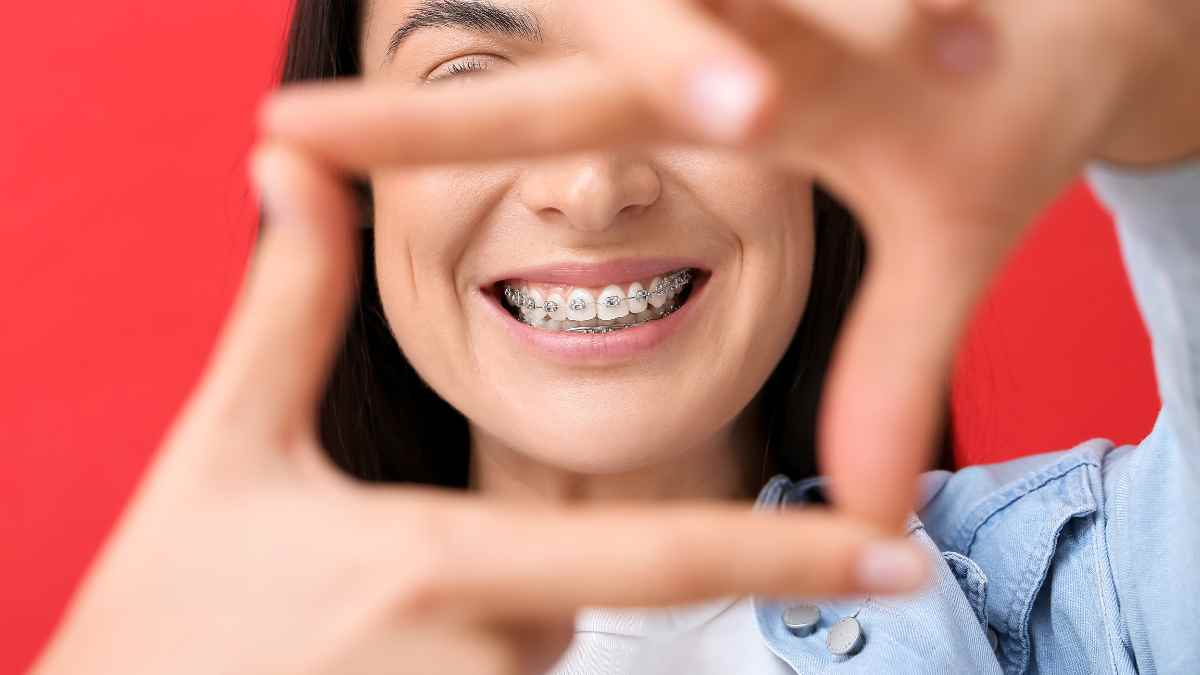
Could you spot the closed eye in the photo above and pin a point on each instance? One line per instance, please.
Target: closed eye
(464, 66)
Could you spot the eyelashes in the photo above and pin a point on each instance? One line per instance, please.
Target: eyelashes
(466, 66)
(461, 67)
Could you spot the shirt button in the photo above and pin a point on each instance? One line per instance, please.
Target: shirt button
(845, 638)
(801, 620)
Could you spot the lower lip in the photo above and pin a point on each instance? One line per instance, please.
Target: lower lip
(598, 349)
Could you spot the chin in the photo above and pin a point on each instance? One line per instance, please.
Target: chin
(598, 454)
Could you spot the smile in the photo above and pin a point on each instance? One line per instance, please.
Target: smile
(598, 314)
(589, 310)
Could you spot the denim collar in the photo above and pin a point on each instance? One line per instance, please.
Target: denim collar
(781, 490)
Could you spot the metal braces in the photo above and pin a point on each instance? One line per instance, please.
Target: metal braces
(667, 310)
(668, 284)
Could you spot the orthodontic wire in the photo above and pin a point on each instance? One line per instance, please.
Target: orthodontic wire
(672, 282)
(667, 310)
(517, 298)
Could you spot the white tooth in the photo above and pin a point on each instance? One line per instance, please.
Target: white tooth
(611, 304)
(657, 299)
(560, 312)
(537, 313)
(636, 306)
(581, 305)
(540, 313)
(554, 325)
(523, 292)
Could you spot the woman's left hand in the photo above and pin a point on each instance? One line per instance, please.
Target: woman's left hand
(947, 124)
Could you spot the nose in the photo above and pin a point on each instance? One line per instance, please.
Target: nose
(590, 192)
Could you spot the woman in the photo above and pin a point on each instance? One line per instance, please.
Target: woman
(641, 319)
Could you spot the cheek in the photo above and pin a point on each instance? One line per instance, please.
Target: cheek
(769, 214)
(426, 223)
(760, 206)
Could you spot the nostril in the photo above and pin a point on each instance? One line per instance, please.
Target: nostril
(552, 214)
(633, 210)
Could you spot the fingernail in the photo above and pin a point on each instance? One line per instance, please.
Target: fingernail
(725, 99)
(892, 567)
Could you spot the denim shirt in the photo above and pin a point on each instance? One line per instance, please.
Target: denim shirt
(1080, 561)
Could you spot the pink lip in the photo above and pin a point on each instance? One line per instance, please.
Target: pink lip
(600, 349)
(597, 274)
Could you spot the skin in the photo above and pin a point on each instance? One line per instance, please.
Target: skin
(244, 550)
(543, 430)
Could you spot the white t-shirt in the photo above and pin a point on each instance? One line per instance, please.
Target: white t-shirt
(718, 637)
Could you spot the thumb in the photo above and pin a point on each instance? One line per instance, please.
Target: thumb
(274, 354)
(885, 397)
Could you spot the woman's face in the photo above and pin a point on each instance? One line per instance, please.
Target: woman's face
(590, 395)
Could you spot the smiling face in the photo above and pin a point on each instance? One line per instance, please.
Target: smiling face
(599, 376)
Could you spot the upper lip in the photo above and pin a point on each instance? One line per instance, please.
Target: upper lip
(619, 271)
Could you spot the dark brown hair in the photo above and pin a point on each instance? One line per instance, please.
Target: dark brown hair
(379, 421)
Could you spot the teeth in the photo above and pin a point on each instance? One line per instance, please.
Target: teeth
(637, 298)
(613, 308)
(581, 305)
(657, 300)
(532, 310)
(611, 304)
(556, 307)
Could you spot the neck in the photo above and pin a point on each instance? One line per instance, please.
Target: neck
(728, 466)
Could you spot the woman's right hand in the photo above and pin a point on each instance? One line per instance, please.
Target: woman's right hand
(245, 550)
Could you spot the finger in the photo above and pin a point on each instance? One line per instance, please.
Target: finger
(945, 6)
(882, 409)
(873, 26)
(275, 350)
(694, 70)
(528, 561)
(569, 105)
(564, 106)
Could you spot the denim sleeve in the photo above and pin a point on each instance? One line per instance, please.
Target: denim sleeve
(1152, 492)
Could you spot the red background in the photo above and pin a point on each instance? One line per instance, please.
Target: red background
(126, 224)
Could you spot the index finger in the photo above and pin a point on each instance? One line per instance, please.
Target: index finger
(527, 561)
(671, 75)
(540, 109)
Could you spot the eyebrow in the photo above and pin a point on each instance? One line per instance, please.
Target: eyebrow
(479, 16)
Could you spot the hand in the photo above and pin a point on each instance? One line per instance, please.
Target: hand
(246, 550)
(946, 124)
